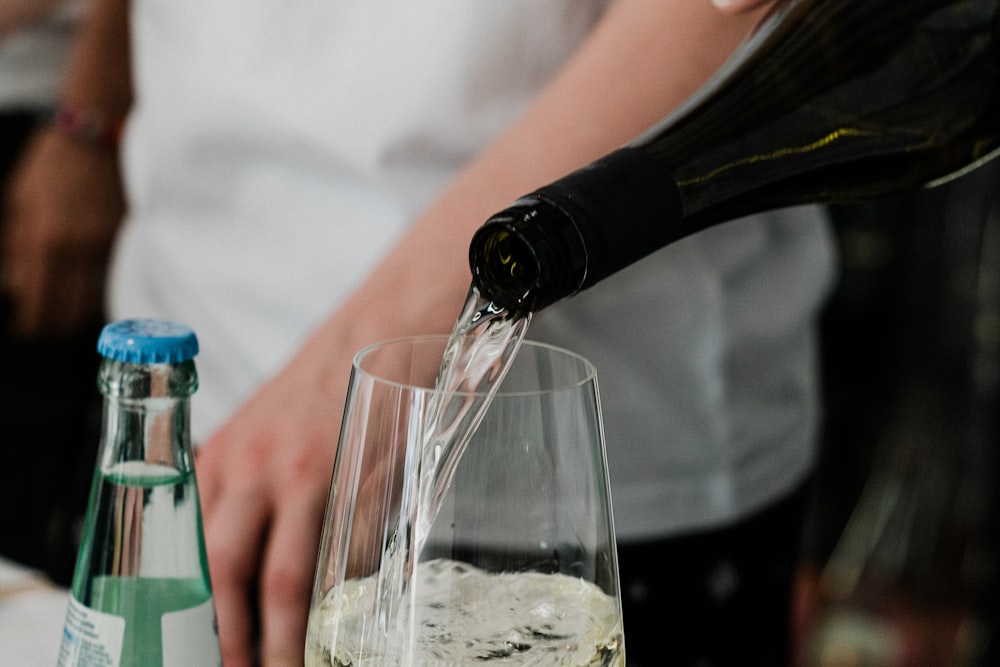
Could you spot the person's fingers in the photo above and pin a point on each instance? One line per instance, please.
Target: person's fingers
(31, 268)
(737, 6)
(234, 530)
(287, 578)
(208, 468)
(237, 455)
(62, 207)
(14, 249)
(58, 299)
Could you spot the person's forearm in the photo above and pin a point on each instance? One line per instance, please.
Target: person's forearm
(98, 75)
(645, 59)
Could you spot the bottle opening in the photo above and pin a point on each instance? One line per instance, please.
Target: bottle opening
(505, 268)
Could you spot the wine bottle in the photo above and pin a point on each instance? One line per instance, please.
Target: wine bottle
(827, 101)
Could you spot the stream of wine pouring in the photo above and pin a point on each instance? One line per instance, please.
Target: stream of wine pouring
(479, 351)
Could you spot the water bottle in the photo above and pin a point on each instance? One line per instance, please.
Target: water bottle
(141, 594)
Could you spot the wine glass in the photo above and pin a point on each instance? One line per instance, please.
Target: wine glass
(517, 564)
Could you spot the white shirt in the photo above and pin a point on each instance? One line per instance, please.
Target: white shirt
(277, 150)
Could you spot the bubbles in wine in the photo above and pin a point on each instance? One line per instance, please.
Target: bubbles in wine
(466, 616)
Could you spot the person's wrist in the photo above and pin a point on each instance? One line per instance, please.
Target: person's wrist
(87, 125)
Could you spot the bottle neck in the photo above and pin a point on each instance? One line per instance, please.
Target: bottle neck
(569, 234)
(146, 416)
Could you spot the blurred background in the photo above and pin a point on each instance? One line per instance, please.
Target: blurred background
(901, 548)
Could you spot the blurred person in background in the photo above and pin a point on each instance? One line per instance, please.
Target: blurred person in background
(303, 179)
(47, 388)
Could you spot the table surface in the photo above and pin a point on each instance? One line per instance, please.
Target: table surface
(32, 612)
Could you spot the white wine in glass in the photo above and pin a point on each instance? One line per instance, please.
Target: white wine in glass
(516, 564)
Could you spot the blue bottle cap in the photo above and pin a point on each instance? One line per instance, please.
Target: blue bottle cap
(147, 341)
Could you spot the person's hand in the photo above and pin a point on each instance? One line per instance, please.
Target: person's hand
(63, 207)
(264, 479)
(737, 6)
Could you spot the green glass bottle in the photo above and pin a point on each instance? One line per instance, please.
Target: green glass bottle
(141, 594)
(828, 101)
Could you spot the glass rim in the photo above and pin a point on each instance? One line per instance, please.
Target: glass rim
(587, 376)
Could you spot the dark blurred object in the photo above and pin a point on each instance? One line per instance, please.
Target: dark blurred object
(49, 421)
(903, 533)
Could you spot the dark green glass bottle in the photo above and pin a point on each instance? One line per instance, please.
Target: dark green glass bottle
(828, 101)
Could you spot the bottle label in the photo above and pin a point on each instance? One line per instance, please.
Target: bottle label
(90, 638)
(191, 637)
